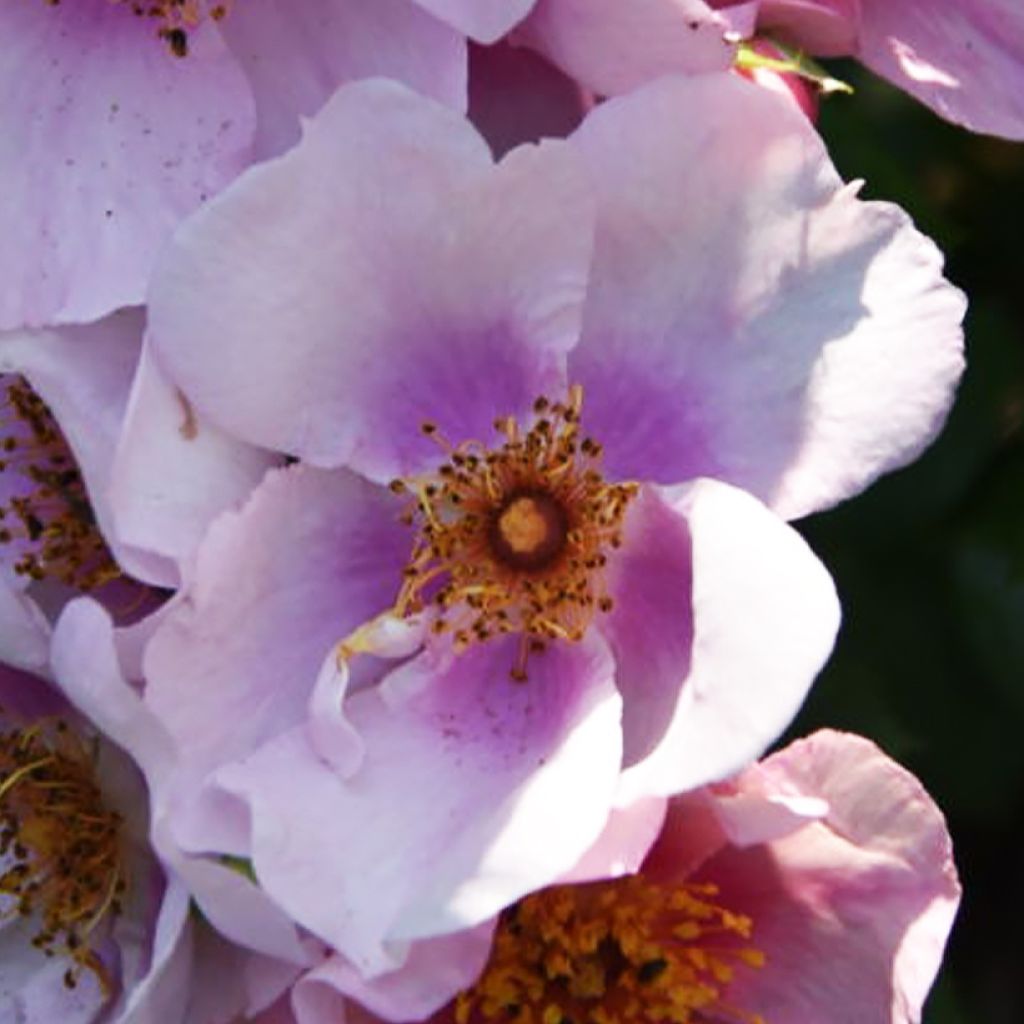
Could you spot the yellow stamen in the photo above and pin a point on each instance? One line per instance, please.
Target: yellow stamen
(514, 539)
(62, 844)
(49, 524)
(175, 18)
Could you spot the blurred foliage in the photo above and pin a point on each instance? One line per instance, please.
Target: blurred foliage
(930, 561)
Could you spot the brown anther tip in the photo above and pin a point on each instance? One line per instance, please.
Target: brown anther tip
(397, 487)
(428, 428)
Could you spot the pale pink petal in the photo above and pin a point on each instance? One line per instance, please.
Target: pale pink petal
(749, 318)
(437, 831)
(296, 54)
(380, 301)
(173, 473)
(482, 20)
(433, 971)
(516, 96)
(108, 141)
(612, 47)
(964, 58)
(765, 615)
(650, 627)
(306, 560)
(620, 849)
(852, 911)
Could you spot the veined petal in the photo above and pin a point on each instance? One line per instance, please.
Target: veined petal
(384, 298)
(437, 830)
(749, 318)
(108, 141)
(765, 615)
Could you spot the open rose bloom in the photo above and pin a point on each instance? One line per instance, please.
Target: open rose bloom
(530, 564)
(817, 885)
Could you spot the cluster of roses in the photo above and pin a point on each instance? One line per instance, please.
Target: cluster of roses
(397, 591)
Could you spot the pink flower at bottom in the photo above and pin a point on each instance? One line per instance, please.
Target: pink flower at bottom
(816, 886)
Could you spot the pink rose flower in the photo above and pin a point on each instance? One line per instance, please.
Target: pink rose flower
(817, 885)
(724, 334)
(116, 126)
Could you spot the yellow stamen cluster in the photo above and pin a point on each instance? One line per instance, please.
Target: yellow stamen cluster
(60, 845)
(175, 18)
(513, 539)
(50, 523)
(625, 951)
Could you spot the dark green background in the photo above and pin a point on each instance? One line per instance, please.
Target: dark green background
(930, 562)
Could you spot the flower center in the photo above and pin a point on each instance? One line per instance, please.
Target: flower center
(625, 950)
(174, 19)
(46, 521)
(60, 847)
(513, 539)
(529, 532)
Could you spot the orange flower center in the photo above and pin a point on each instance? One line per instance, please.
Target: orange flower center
(48, 522)
(625, 951)
(61, 847)
(513, 539)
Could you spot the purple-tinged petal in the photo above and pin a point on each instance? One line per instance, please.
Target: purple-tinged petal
(333, 328)
(433, 971)
(482, 20)
(87, 667)
(612, 47)
(173, 473)
(749, 318)
(464, 769)
(765, 615)
(307, 559)
(650, 627)
(963, 58)
(296, 54)
(108, 142)
(24, 631)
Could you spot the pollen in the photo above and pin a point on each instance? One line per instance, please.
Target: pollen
(625, 951)
(513, 538)
(46, 521)
(59, 844)
(174, 20)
